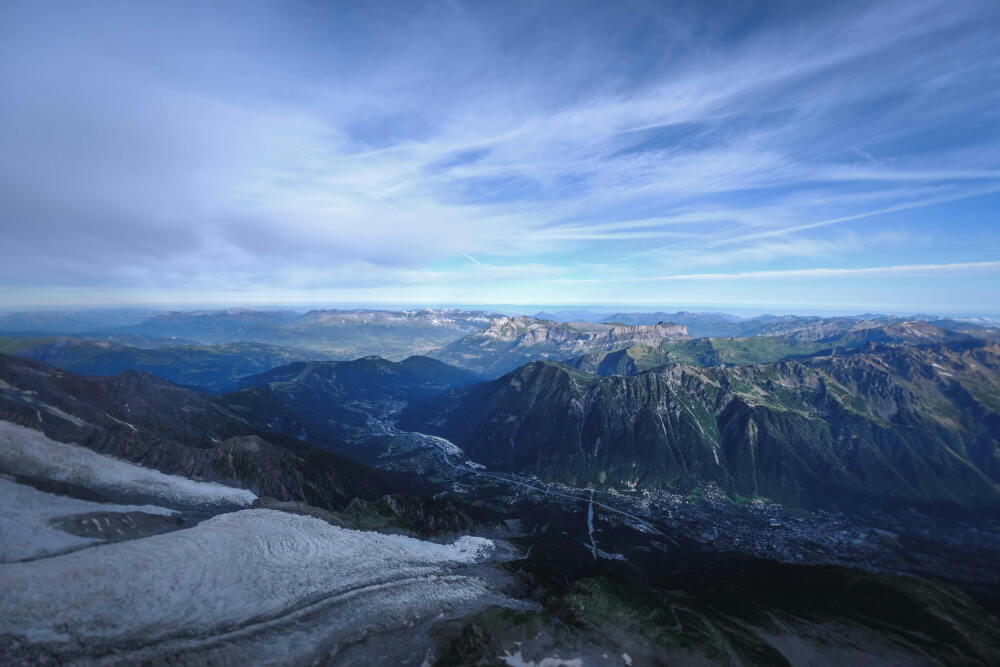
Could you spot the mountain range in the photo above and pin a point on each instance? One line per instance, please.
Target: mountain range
(811, 496)
(886, 424)
(805, 327)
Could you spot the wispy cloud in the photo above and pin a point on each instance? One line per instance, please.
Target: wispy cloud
(902, 270)
(712, 241)
(318, 145)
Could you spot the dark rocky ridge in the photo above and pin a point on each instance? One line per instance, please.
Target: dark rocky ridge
(140, 418)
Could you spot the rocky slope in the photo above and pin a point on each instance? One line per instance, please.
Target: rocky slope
(892, 424)
(511, 341)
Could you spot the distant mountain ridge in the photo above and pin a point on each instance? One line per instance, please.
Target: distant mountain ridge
(213, 368)
(353, 333)
(511, 341)
(71, 321)
(805, 327)
(759, 349)
(343, 334)
(515, 340)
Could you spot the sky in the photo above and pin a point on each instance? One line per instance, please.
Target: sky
(804, 155)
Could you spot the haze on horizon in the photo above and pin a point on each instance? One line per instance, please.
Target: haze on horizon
(795, 155)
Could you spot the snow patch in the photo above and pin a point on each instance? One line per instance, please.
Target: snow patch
(53, 410)
(115, 419)
(24, 451)
(517, 660)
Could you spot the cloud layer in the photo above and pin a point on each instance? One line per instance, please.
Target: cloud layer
(517, 153)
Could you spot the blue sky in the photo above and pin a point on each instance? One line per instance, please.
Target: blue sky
(808, 155)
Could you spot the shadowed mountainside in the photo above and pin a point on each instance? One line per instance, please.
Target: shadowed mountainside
(893, 423)
(328, 401)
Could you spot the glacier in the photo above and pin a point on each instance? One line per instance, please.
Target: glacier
(260, 581)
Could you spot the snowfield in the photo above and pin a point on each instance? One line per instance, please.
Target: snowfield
(244, 581)
(24, 524)
(24, 451)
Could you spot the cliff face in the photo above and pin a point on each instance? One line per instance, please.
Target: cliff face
(893, 424)
(512, 341)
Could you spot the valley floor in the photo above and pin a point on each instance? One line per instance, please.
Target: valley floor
(963, 551)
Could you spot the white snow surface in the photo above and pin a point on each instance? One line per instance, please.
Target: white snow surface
(245, 568)
(25, 451)
(517, 660)
(24, 523)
